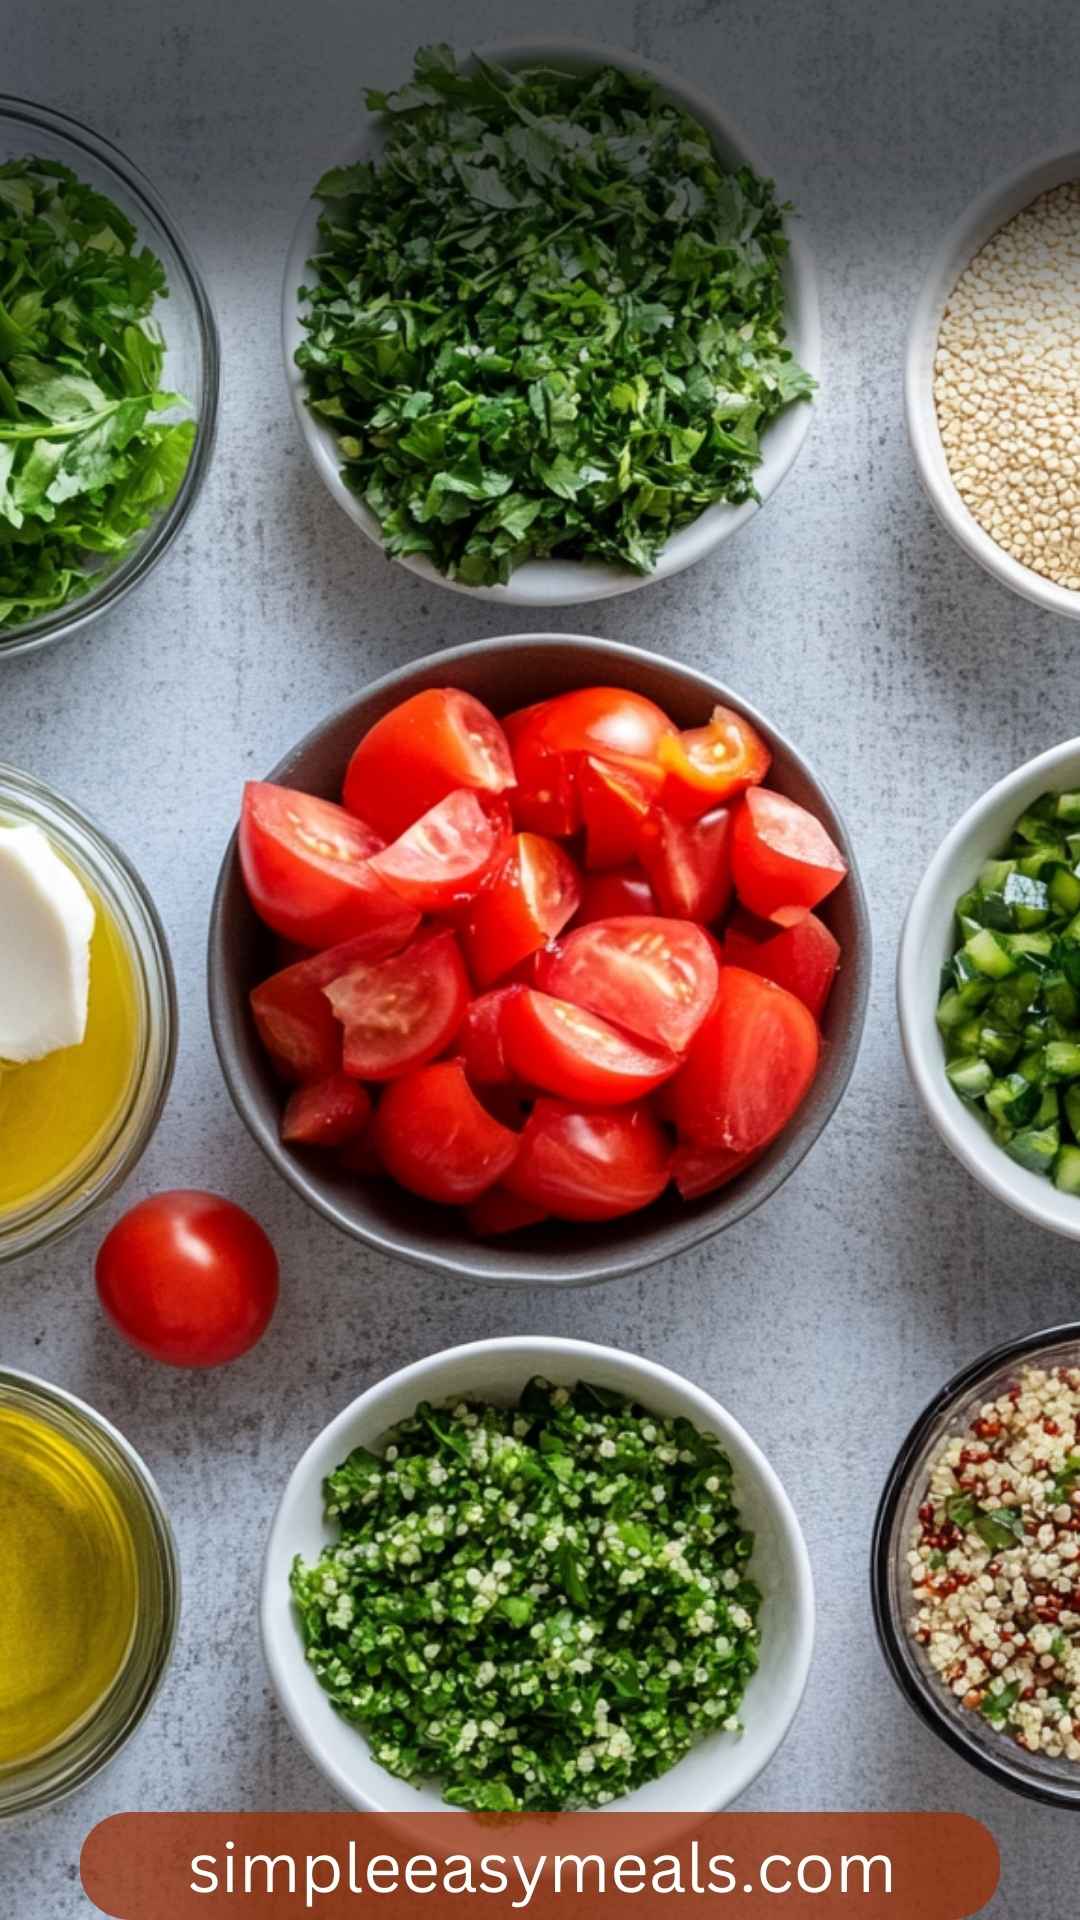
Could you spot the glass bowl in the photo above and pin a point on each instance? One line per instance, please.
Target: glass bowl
(192, 360)
(119, 888)
(73, 1760)
(1055, 1782)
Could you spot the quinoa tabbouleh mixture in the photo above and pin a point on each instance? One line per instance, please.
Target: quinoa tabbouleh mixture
(539, 1606)
(995, 1563)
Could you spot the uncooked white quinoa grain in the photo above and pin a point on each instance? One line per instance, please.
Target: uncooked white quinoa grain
(1007, 385)
(995, 1563)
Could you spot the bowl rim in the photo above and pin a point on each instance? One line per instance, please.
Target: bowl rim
(68, 620)
(697, 1228)
(585, 581)
(1026, 1193)
(923, 1700)
(981, 218)
(282, 1649)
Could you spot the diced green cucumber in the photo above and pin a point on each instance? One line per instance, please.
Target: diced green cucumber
(987, 953)
(1027, 901)
(993, 875)
(1063, 888)
(1061, 998)
(965, 1039)
(1061, 1058)
(1048, 1109)
(957, 1004)
(1067, 1170)
(1034, 947)
(998, 1047)
(1035, 1148)
(1011, 999)
(1014, 1101)
(1067, 807)
(971, 1076)
(1071, 1101)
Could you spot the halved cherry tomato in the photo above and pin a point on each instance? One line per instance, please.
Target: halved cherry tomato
(401, 1012)
(327, 1112)
(422, 750)
(782, 857)
(614, 808)
(444, 858)
(498, 1212)
(655, 976)
(437, 1140)
(295, 1019)
(590, 1166)
(700, 1170)
(711, 764)
(549, 739)
(610, 896)
(532, 899)
(480, 1041)
(802, 958)
(307, 867)
(688, 863)
(552, 1044)
(750, 1066)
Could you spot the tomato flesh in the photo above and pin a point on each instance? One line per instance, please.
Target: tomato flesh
(307, 867)
(444, 858)
(688, 863)
(531, 900)
(399, 1013)
(700, 1170)
(590, 1165)
(421, 751)
(611, 896)
(553, 1044)
(782, 858)
(709, 764)
(294, 1018)
(481, 1042)
(188, 1278)
(498, 1212)
(803, 959)
(326, 1113)
(749, 1068)
(549, 740)
(614, 808)
(437, 1140)
(657, 977)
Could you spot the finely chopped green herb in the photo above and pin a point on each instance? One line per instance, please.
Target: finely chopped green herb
(539, 1606)
(546, 320)
(84, 461)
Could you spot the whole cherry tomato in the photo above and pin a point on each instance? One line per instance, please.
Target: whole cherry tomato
(188, 1278)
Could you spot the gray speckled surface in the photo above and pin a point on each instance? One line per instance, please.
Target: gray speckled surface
(844, 611)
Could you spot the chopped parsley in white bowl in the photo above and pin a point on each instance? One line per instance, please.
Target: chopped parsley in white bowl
(595, 1593)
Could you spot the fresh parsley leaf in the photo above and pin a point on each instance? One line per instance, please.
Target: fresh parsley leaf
(547, 291)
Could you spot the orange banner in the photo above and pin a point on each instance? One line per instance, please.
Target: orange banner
(155, 1866)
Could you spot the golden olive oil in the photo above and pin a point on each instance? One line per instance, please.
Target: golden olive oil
(56, 1114)
(68, 1586)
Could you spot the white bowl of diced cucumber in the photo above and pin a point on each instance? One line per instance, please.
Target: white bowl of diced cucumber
(988, 989)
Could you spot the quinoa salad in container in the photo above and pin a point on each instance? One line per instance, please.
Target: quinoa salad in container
(995, 1563)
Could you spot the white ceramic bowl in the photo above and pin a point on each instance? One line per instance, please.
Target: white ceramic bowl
(710, 1776)
(1000, 202)
(927, 942)
(554, 582)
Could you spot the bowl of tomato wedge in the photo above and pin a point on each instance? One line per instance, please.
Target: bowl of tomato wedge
(538, 962)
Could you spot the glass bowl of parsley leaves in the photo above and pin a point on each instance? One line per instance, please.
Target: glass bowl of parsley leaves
(109, 375)
(549, 331)
(537, 1574)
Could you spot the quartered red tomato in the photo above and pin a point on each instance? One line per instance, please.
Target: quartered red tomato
(445, 857)
(700, 1170)
(325, 1113)
(782, 858)
(688, 863)
(614, 807)
(532, 899)
(749, 1067)
(421, 751)
(498, 1212)
(656, 977)
(549, 740)
(590, 1165)
(435, 1138)
(608, 896)
(307, 867)
(803, 959)
(399, 1013)
(292, 1013)
(481, 1043)
(711, 764)
(552, 1044)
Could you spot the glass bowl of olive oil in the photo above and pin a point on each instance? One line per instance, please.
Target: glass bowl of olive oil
(89, 1592)
(73, 1125)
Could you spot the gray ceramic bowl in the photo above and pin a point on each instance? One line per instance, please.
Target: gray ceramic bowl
(509, 673)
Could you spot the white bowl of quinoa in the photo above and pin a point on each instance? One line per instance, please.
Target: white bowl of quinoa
(976, 1565)
(594, 1593)
(992, 381)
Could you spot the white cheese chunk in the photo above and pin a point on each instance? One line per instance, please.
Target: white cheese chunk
(46, 920)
